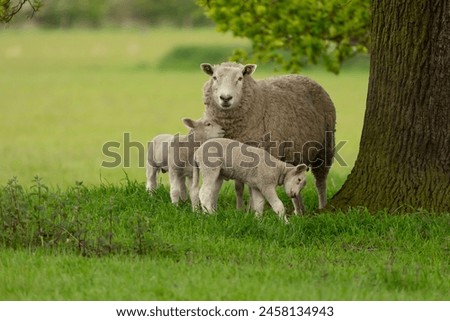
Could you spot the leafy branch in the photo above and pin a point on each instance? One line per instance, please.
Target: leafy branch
(293, 33)
(8, 10)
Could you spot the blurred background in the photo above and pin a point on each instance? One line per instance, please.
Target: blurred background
(114, 13)
(85, 84)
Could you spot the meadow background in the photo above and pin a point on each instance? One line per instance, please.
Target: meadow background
(80, 231)
(64, 94)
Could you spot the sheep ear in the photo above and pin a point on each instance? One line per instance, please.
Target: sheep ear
(248, 69)
(301, 168)
(189, 123)
(207, 69)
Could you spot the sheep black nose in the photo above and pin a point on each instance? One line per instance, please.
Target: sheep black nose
(226, 98)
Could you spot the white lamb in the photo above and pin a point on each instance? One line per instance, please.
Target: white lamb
(175, 154)
(223, 158)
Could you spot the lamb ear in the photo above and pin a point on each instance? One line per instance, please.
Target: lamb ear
(207, 68)
(301, 168)
(189, 123)
(249, 69)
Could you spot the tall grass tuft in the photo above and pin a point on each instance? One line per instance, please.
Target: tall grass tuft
(82, 220)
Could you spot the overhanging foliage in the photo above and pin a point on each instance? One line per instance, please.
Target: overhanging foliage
(294, 33)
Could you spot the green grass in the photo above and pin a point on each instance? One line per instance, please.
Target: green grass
(64, 94)
(113, 242)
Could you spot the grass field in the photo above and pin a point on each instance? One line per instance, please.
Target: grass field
(64, 94)
(115, 243)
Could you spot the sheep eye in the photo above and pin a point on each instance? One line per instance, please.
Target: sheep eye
(240, 79)
(299, 180)
(208, 124)
(214, 78)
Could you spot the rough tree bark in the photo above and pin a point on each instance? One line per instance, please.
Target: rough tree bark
(404, 156)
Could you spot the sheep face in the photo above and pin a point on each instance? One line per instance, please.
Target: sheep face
(204, 129)
(227, 82)
(295, 180)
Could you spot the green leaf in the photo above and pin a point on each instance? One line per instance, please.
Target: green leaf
(307, 31)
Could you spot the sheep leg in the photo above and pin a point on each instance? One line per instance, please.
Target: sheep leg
(216, 191)
(194, 196)
(239, 189)
(320, 177)
(250, 203)
(299, 208)
(277, 205)
(183, 190)
(175, 186)
(151, 173)
(194, 189)
(321, 187)
(209, 192)
(257, 201)
(187, 187)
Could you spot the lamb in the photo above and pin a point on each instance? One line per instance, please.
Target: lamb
(290, 116)
(175, 154)
(222, 158)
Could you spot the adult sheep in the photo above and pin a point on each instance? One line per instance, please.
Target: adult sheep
(290, 116)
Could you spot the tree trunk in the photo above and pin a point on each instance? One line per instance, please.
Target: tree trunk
(404, 157)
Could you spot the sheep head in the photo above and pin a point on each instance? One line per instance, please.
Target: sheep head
(295, 180)
(227, 81)
(203, 129)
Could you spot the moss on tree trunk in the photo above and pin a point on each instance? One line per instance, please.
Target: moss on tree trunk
(404, 156)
